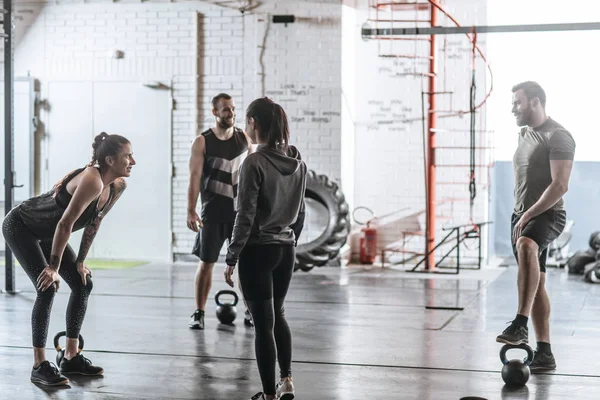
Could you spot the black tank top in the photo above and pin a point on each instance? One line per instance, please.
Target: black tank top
(42, 213)
(222, 161)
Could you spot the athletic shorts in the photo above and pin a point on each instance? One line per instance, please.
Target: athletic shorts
(543, 230)
(210, 239)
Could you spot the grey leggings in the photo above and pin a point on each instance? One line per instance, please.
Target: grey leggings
(33, 256)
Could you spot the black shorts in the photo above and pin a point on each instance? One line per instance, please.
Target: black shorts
(543, 230)
(210, 239)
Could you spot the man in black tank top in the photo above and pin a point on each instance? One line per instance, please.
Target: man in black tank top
(215, 160)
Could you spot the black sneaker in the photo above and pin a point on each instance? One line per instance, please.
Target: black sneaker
(197, 320)
(258, 396)
(542, 362)
(79, 365)
(514, 334)
(47, 374)
(248, 319)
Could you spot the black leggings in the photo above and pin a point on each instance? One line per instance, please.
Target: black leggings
(265, 273)
(33, 255)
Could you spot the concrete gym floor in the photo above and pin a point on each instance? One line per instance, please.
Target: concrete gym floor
(358, 334)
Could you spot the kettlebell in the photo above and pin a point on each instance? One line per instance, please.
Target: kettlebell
(61, 352)
(515, 373)
(226, 312)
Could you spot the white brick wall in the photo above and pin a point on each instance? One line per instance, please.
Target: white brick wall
(206, 49)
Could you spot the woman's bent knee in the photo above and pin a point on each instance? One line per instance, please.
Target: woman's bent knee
(48, 293)
(89, 285)
(78, 287)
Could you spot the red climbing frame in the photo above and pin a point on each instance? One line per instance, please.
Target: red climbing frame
(434, 7)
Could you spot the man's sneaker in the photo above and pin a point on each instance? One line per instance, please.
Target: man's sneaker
(542, 362)
(514, 335)
(258, 396)
(47, 374)
(284, 389)
(248, 319)
(79, 365)
(197, 320)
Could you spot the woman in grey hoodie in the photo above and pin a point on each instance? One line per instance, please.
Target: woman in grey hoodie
(269, 220)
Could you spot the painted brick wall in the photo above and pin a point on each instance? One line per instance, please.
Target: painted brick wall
(296, 65)
(389, 160)
(206, 49)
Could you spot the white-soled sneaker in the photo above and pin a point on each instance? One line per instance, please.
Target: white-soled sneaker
(197, 320)
(285, 389)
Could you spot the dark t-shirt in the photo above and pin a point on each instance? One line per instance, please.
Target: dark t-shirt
(537, 146)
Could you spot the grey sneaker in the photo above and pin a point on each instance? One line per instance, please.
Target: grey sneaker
(285, 389)
(542, 362)
(197, 320)
(514, 335)
(47, 374)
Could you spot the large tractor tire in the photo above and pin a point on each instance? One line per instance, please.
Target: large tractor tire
(327, 246)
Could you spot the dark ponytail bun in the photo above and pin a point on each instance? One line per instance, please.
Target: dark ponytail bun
(98, 140)
(106, 145)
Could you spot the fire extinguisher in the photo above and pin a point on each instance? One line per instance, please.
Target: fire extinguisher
(368, 245)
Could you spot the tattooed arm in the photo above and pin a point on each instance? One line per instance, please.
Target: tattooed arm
(89, 233)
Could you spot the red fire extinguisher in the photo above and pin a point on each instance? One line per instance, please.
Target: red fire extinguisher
(368, 245)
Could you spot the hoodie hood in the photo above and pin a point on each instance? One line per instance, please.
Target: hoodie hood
(287, 164)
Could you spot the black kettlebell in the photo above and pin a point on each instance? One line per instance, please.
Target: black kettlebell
(226, 312)
(515, 373)
(61, 352)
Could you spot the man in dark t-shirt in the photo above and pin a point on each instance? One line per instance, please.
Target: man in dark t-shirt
(216, 157)
(542, 166)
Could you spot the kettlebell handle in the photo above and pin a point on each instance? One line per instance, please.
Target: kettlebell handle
(525, 347)
(222, 292)
(64, 333)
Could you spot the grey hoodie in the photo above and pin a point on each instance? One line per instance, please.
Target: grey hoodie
(270, 201)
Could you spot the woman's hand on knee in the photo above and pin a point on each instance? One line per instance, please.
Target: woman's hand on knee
(83, 271)
(47, 277)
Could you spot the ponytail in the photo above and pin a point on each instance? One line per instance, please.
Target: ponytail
(279, 132)
(273, 122)
(98, 140)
